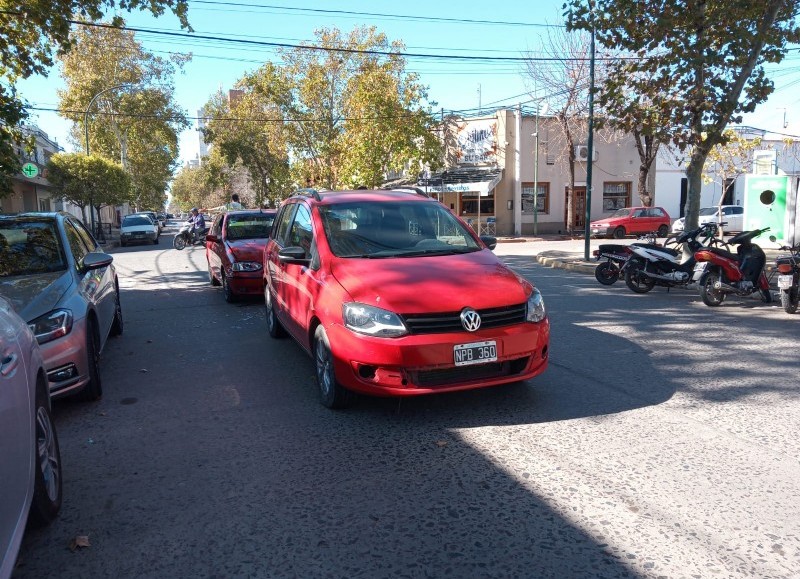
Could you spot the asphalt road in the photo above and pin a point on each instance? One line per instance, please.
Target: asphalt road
(661, 442)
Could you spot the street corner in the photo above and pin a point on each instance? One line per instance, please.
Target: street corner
(565, 260)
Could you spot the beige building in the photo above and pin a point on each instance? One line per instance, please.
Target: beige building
(493, 183)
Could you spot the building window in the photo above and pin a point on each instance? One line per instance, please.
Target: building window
(469, 203)
(542, 198)
(616, 195)
(44, 205)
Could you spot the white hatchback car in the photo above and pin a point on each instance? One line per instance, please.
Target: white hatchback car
(733, 215)
(30, 462)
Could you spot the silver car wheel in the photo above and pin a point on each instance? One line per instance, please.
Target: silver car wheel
(47, 453)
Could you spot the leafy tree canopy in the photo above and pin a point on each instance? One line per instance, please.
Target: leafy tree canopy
(88, 179)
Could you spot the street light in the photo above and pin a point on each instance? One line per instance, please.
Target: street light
(540, 110)
(86, 138)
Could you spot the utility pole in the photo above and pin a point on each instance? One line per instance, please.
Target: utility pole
(589, 161)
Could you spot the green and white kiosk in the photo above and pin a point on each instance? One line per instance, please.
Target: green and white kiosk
(771, 201)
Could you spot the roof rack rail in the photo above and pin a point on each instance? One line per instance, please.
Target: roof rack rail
(408, 188)
(308, 192)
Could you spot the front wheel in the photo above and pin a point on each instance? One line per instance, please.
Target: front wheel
(606, 273)
(179, 242)
(619, 233)
(47, 460)
(227, 291)
(638, 281)
(94, 389)
(331, 393)
(663, 231)
(118, 325)
(710, 295)
(274, 326)
(790, 299)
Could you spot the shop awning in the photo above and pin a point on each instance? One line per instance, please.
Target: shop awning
(472, 179)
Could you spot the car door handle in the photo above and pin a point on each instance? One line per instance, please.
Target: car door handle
(8, 364)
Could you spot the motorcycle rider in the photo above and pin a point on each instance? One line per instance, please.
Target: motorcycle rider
(198, 224)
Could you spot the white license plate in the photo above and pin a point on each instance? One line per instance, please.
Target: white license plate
(700, 266)
(785, 281)
(475, 353)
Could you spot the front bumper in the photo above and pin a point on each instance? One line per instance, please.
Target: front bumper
(424, 364)
(246, 282)
(65, 361)
(601, 231)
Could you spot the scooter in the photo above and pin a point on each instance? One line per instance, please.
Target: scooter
(788, 267)
(184, 237)
(653, 264)
(721, 272)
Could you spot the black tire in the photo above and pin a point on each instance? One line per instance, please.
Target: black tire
(46, 501)
(766, 296)
(155, 241)
(637, 281)
(274, 327)
(94, 389)
(331, 393)
(618, 233)
(211, 279)
(606, 273)
(789, 300)
(179, 242)
(711, 297)
(230, 297)
(663, 231)
(118, 325)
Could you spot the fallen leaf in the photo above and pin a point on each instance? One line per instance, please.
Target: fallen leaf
(441, 443)
(79, 542)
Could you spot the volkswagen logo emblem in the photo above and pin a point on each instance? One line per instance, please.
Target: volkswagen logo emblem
(470, 319)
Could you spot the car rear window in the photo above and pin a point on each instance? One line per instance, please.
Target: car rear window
(135, 220)
(29, 247)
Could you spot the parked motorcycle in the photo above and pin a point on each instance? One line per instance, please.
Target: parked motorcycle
(788, 267)
(616, 256)
(722, 272)
(652, 264)
(184, 237)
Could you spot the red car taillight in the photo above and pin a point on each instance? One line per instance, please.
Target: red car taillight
(785, 268)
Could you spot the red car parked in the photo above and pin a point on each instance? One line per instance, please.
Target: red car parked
(632, 221)
(234, 250)
(393, 295)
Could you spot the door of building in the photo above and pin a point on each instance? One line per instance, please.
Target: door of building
(579, 203)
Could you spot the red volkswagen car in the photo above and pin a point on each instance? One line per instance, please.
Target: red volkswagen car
(234, 249)
(394, 295)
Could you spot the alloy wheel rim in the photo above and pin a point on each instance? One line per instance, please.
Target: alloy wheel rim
(268, 307)
(46, 448)
(323, 367)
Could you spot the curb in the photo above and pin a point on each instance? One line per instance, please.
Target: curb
(568, 264)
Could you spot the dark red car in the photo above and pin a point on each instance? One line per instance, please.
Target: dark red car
(394, 295)
(234, 250)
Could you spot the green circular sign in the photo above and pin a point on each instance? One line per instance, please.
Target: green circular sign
(30, 170)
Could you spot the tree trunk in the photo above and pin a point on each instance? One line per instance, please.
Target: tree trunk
(694, 173)
(644, 194)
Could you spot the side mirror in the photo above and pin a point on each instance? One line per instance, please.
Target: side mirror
(212, 238)
(489, 241)
(773, 239)
(97, 260)
(293, 254)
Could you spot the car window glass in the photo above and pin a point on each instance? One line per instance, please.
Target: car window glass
(76, 245)
(738, 210)
(29, 247)
(301, 234)
(284, 221)
(252, 226)
(216, 227)
(657, 212)
(88, 240)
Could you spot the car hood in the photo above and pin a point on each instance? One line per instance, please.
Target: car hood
(431, 284)
(247, 249)
(132, 228)
(610, 221)
(35, 295)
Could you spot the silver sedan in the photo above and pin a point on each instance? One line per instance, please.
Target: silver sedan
(30, 463)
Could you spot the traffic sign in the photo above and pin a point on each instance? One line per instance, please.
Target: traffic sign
(30, 170)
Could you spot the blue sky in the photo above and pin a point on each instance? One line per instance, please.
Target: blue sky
(453, 85)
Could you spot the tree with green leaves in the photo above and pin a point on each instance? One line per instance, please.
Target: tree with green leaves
(88, 180)
(701, 62)
(33, 32)
(135, 118)
(190, 188)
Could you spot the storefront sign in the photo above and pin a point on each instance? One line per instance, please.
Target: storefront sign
(477, 142)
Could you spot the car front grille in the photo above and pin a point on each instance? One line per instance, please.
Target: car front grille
(445, 322)
(465, 374)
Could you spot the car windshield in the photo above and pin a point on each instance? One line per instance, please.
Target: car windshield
(394, 229)
(621, 212)
(249, 226)
(708, 211)
(28, 247)
(135, 220)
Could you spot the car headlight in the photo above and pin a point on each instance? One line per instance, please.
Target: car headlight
(535, 307)
(51, 326)
(372, 321)
(600, 225)
(246, 266)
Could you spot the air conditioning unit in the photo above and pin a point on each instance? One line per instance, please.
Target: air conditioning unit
(582, 153)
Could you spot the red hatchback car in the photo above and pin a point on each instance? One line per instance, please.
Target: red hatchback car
(632, 221)
(394, 295)
(234, 250)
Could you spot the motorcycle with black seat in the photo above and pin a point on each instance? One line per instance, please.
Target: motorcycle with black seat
(722, 272)
(788, 267)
